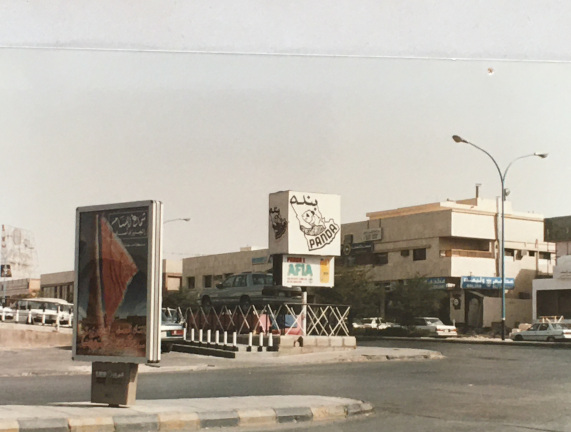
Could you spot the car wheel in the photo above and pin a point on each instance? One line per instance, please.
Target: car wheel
(518, 338)
(166, 347)
(245, 303)
(206, 303)
(550, 339)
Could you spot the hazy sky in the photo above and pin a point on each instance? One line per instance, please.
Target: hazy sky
(150, 108)
(212, 135)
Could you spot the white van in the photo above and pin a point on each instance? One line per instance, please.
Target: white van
(43, 310)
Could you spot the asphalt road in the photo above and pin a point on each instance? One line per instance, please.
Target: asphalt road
(476, 387)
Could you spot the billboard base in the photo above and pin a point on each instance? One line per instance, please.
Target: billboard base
(114, 384)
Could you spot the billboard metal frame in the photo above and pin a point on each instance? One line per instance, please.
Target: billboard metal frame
(154, 212)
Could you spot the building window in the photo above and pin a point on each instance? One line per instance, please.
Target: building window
(382, 258)
(419, 254)
(545, 255)
(509, 252)
(207, 281)
(531, 253)
(190, 281)
(404, 253)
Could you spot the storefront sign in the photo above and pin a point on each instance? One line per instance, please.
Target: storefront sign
(486, 282)
(439, 283)
(304, 223)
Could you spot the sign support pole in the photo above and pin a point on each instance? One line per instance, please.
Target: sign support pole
(304, 312)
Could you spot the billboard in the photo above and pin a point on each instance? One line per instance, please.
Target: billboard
(302, 223)
(308, 271)
(117, 282)
(18, 253)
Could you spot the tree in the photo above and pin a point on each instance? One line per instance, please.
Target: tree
(183, 298)
(354, 288)
(413, 298)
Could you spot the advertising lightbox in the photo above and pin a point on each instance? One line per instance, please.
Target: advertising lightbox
(118, 283)
(308, 271)
(303, 223)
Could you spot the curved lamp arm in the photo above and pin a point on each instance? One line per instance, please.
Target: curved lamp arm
(541, 155)
(462, 140)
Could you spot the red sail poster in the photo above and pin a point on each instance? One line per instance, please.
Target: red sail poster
(117, 270)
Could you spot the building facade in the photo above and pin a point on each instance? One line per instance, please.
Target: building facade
(18, 288)
(453, 244)
(61, 284)
(552, 297)
(58, 285)
(206, 271)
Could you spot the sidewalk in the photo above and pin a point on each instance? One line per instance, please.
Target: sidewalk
(57, 361)
(185, 414)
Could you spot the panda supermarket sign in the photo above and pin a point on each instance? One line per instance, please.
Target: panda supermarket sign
(303, 223)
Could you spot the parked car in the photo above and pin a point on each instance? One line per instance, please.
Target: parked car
(549, 332)
(172, 328)
(378, 323)
(435, 327)
(246, 289)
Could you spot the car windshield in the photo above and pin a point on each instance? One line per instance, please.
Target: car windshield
(262, 279)
(169, 316)
(367, 320)
(433, 321)
(558, 326)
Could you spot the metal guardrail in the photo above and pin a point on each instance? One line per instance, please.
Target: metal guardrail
(286, 319)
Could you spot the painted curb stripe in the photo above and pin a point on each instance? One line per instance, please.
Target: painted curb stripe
(183, 421)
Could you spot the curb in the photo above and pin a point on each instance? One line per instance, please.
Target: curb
(182, 421)
(562, 345)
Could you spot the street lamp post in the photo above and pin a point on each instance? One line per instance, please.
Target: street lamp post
(458, 139)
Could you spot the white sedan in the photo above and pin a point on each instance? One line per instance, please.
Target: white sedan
(435, 327)
(549, 332)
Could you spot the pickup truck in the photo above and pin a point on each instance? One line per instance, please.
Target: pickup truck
(247, 289)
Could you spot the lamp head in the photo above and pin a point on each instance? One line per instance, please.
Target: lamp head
(459, 139)
(541, 155)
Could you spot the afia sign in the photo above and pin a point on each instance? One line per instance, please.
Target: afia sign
(308, 271)
(303, 223)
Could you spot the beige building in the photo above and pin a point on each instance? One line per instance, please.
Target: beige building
(61, 284)
(18, 288)
(208, 270)
(58, 285)
(172, 275)
(453, 244)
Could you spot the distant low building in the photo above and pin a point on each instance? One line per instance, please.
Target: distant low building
(19, 288)
(61, 284)
(58, 285)
(172, 275)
